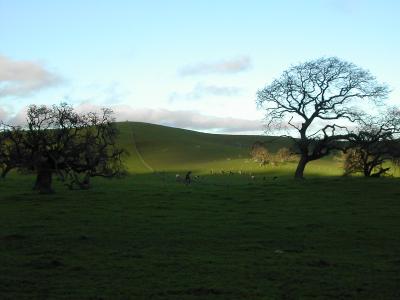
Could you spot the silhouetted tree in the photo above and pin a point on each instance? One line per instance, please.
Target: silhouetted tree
(58, 140)
(6, 164)
(374, 143)
(318, 99)
(11, 148)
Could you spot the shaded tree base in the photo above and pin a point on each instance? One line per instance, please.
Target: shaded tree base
(43, 182)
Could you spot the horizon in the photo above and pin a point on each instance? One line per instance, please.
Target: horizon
(194, 65)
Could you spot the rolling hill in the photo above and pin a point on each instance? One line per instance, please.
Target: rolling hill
(156, 148)
(160, 148)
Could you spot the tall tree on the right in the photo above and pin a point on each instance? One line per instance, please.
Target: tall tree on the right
(317, 102)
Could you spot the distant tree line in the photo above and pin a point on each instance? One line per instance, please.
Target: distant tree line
(260, 153)
(59, 141)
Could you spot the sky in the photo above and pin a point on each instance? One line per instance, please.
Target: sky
(193, 64)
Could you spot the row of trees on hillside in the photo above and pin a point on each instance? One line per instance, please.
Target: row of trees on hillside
(57, 140)
(260, 153)
(325, 105)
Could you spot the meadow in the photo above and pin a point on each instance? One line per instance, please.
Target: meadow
(147, 236)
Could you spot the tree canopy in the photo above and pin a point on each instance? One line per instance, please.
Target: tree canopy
(58, 140)
(373, 143)
(315, 103)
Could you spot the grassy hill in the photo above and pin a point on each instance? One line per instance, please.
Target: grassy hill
(161, 148)
(166, 148)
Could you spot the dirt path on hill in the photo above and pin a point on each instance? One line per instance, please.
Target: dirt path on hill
(140, 155)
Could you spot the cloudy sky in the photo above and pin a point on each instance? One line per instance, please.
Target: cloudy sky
(194, 64)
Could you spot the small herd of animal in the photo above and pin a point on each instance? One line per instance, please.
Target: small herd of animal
(188, 177)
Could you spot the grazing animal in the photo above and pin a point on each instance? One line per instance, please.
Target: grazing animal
(178, 177)
(188, 179)
(253, 177)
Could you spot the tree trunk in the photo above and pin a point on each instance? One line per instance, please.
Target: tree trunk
(5, 172)
(299, 174)
(368, 168)
(367, 172)
(43, 181)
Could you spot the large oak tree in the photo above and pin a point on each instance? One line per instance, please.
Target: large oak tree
(57, 140)
(316, 103)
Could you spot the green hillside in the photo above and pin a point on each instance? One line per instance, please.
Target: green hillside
(161, 148)
(156, 148)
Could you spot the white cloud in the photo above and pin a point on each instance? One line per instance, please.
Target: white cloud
(181, 118)
(3, 114)
(175, 118)
(201, 91)
(14, 119)
(231, 66)
(21, 78)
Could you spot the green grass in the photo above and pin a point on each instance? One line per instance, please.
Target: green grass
(224, 237)
(147, 236)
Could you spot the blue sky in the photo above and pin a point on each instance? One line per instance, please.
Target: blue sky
(193, 64)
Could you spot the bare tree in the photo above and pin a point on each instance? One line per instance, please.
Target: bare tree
(58, 140)
(318, 100)
(260, 153)
(6, 162)
(11, 148)
(373, 144)
(284, 155)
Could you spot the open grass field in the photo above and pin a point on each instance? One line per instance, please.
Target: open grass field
(147, 236)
